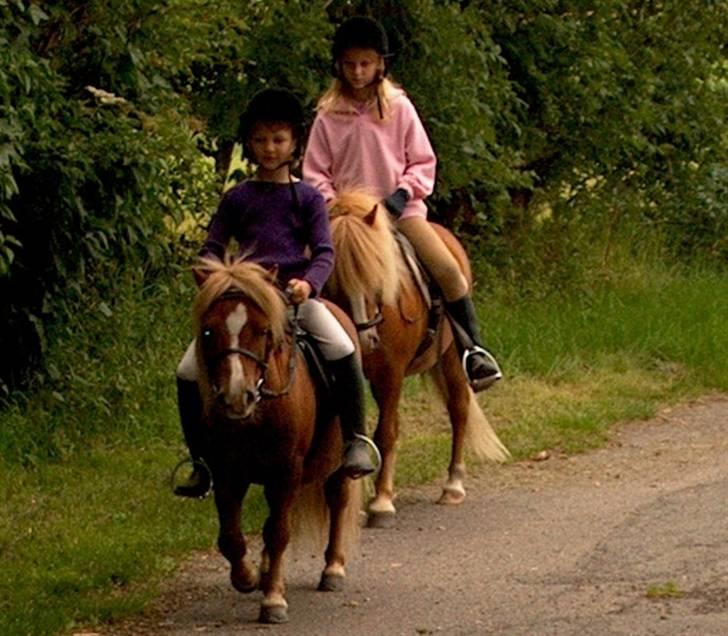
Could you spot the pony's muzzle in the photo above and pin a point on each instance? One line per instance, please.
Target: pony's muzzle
(238, 405)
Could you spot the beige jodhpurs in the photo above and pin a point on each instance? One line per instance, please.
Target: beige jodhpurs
(435, 256)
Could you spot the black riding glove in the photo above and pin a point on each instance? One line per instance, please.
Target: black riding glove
(396, 201)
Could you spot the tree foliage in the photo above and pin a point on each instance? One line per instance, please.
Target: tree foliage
(96, 151)
(625, 99)
(552, 119)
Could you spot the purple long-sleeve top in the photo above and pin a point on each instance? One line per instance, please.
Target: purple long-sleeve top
(272, 230)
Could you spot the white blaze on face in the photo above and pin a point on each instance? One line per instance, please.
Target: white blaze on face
(235, 323)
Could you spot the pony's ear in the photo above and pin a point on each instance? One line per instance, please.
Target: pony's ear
(372, 215)
(200, 275)
(272, 274)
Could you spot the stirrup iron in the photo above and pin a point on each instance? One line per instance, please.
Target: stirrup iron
(195, 463)
(373, 446)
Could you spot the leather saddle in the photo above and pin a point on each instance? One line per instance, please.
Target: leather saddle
(428, 289)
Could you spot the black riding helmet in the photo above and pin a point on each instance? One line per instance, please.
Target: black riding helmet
(359, 32)
(273, 105)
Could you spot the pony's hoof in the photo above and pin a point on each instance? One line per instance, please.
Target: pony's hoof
(273, 615)
(331, 583)
(451, 497)
(244, 587)
(244, 580)
(381, 520)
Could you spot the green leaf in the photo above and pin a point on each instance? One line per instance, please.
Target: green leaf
(37, 14)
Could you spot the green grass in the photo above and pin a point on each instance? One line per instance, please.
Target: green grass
(660, 591)
(87, 539)
(89, 528)
(575, 365)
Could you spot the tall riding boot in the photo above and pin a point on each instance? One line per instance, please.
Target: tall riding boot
(480, 366)
(189, 402)
(349, 396)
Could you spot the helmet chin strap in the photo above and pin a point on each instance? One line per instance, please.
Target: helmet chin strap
(379, 80)
(292, 185)
(291, 182)
(375, 82)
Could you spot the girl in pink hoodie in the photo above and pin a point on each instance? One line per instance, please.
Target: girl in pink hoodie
(367, 134)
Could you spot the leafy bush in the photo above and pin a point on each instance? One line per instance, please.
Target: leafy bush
(551, 120)
(96, 156)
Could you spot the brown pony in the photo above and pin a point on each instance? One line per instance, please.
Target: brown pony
(370, 277)
(265, 427)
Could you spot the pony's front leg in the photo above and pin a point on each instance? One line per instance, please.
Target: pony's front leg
(230, 541)
(343, 508)
(387, 389)
(276, 535)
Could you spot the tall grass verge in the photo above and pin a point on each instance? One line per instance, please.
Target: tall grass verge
(575, 362)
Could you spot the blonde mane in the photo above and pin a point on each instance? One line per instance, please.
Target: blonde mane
(368, 261)
(252, 280)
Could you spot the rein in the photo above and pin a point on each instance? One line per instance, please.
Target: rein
(373, 322)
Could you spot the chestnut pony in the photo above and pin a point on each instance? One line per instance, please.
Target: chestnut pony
(372, 282)
(265, 427)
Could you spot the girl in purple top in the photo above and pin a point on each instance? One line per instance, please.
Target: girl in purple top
(279, 221)
(367, 134)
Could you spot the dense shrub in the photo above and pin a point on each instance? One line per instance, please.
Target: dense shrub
(97, 153)
(552, 120)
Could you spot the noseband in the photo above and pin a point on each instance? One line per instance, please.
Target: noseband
(261, 391)
(247, 353)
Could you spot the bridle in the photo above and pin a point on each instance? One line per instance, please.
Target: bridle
(261, 391)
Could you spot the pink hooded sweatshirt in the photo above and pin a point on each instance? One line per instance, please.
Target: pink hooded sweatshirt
(350, 147)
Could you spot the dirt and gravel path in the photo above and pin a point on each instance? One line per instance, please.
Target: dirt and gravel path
(631, 539)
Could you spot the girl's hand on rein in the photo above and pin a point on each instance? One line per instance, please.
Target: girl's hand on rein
(298, 290)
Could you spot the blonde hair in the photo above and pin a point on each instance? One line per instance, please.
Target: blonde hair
(336, 100)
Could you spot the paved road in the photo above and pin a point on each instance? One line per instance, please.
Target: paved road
(631, 539)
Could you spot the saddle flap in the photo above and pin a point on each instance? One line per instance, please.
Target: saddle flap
(315, 361)
(419, 274)
(431, 294)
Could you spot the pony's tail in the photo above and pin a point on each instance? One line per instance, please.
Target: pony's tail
(480, 437)
(310, 520)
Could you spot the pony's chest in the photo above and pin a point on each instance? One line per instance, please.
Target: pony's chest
(254, 454)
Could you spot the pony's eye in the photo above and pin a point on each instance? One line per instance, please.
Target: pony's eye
(207, 334)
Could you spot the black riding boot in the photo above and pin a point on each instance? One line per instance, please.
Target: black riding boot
(480, 366)
(349, 395)
(189, 402)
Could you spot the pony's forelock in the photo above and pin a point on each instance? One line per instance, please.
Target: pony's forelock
(250, 279)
